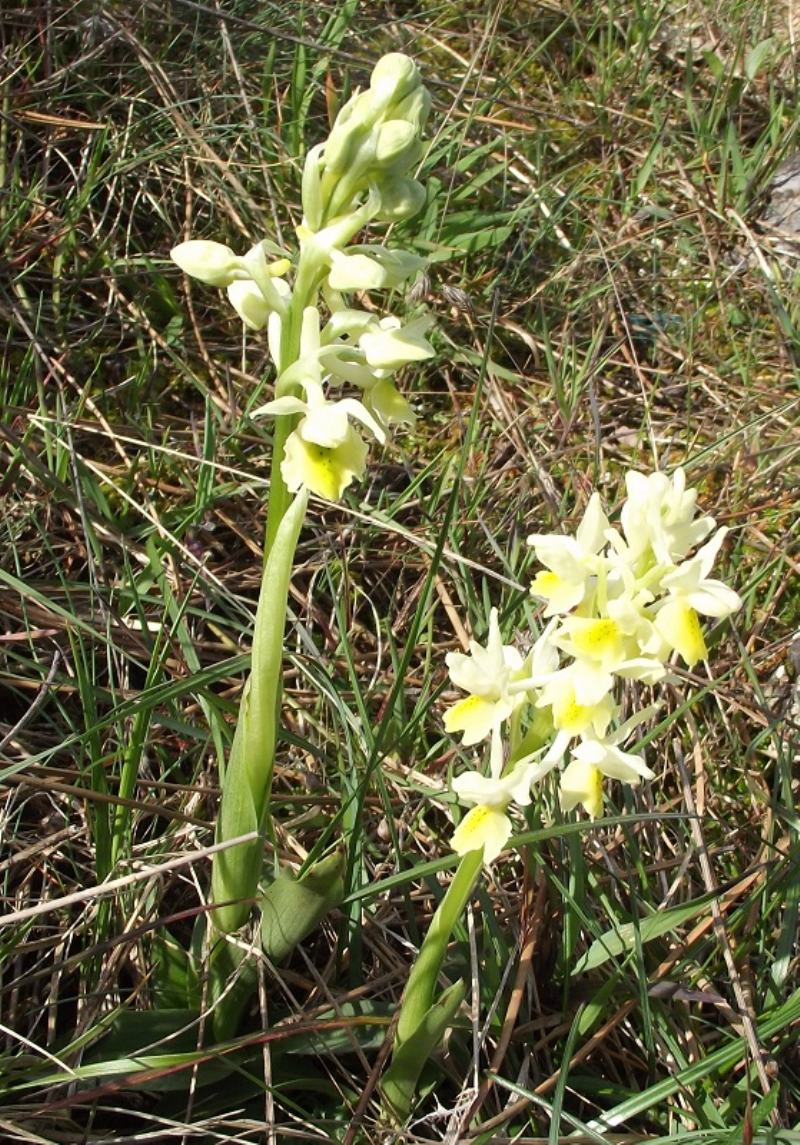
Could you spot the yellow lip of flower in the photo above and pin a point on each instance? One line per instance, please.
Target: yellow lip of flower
(483, 826)
(679, 625)
(325, 471)
(475, 716)
(599, 640)
(573, 717)
(582, 783)
(561, 594)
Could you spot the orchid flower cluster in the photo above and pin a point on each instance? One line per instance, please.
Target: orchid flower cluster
(359, 175)
(620, 604)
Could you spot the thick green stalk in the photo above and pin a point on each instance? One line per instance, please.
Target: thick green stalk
(418, 994)
(248, 776)
(422, 1021)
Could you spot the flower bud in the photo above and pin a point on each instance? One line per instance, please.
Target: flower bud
(397, 146)
(210, 262)
(250, 304)
(352, 129)
(414, 108)
(399, 198)
(393, 78)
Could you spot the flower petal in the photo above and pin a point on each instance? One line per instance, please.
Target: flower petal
(679, 625)
(326, 472)
(486, 827)
(475, 716)
(612, 761)
(250, 304)
(582, 783)
(280, 407)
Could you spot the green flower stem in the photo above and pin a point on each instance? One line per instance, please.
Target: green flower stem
(418, 1018)
(304, 294)
(418, 994)
(248, 776)
(279, 496)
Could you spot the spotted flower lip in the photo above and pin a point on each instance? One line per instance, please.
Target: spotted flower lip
(483, 827)
(324, 470)
(323, 453)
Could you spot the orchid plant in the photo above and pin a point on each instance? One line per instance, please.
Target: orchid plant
(621, 603)
(320, 340)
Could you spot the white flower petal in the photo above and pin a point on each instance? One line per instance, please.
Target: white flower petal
(358, 410)
(280, 407)
(713, 598)
(591, 533)
(249, 303)
(612, 761)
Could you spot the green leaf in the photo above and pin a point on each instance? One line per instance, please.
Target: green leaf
(622, 938)
(175, 983)
(291, 908)
(772, 1024)
(400, 1080)
(756, 57)
(471, 242)
(142, 1040)
(133, 1031)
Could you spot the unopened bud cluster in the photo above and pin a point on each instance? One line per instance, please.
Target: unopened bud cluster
(621, 603)
(359, 175)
